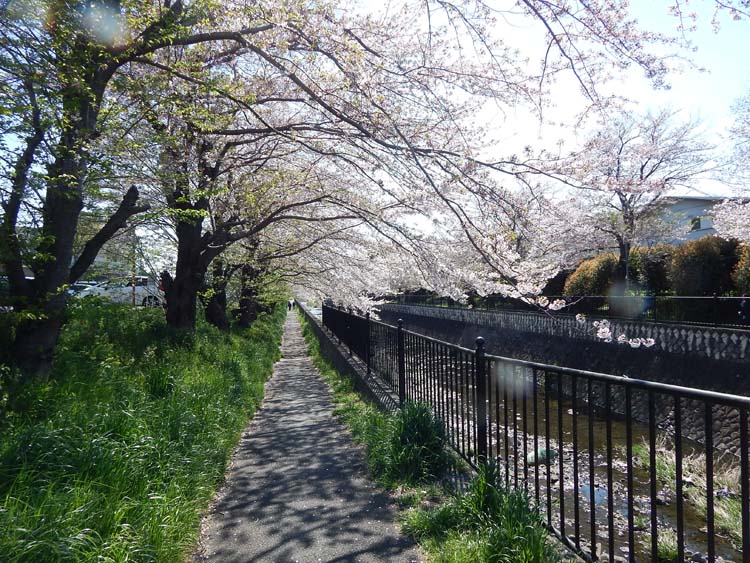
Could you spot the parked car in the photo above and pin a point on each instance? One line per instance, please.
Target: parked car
(79, 286)
(140, 290)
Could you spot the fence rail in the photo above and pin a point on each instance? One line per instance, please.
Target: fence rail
(605, 482)
(712, 311)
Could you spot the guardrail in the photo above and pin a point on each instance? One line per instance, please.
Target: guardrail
(605, 482)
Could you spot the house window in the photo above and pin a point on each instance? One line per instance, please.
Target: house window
(695, 224)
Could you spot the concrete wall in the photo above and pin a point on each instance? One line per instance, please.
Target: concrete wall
(682, 355)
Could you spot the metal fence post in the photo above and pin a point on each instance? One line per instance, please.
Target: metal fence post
(481, 406)
(349, 335)
(401, 365)
(715, 303)
(367, 343)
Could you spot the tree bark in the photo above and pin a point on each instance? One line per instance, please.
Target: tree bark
(249, 306)
(181, 292)
(34, 346)
(216, 304)
(216, 310)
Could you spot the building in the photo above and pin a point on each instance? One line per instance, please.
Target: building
(691, 214)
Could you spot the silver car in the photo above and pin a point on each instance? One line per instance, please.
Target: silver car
(138, 290)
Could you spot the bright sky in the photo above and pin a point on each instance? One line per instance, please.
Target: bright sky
(706, 95)
(724, 54)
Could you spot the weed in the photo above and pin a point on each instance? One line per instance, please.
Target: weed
(414, 446)
(486, 523)
(666, 545)
(727, 508)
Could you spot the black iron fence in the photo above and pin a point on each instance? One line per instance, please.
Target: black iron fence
(710, 311)
(605, 458)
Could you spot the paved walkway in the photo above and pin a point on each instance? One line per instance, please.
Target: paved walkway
(297, 491)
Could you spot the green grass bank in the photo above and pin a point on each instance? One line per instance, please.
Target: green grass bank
(116, 459)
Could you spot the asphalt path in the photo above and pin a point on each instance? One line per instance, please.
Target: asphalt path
(298, 490)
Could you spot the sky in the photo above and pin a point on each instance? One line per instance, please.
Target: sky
(706, 95)
(705, 89)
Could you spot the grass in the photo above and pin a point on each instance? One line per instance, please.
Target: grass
(727, 509)
(486, 523)
(666, 545)
(117, 457)
(407, 452)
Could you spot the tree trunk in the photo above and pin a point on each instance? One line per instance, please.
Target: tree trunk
(216, 304)
(182, 300)
(216, 310)
(249, 308)
(34, 346)
(622, 273)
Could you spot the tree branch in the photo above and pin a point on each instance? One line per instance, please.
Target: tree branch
(10, 253)
(128, 207)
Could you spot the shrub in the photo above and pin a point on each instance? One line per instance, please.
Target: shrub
(649, 266)
(703, 266)
(741, 272)
(592, 277)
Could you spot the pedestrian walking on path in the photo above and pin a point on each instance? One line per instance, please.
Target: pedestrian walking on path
(297, 489)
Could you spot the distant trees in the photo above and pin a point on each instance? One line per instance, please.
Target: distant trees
(732, 217)
(223, 120)
(623, 172)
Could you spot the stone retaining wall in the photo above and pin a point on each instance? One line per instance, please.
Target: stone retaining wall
(717, 344)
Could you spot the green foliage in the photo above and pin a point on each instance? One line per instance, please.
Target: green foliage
(741, 272)
(485, 523)
(412, 448)
(666, 546)
(649, 267)
(592, 277)
(703, 266)
(404, 448)
(118, 456)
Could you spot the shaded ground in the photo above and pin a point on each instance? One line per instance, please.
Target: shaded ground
(298, 490)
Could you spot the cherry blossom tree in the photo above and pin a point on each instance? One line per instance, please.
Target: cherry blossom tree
(388, 98)
(624, 172)
(732, 217)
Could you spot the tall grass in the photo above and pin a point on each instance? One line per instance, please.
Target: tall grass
(485, 523)
(726, 476)
(117, 457)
